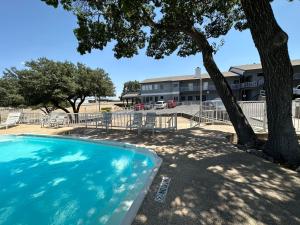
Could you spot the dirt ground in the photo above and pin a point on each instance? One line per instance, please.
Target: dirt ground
(212, 182)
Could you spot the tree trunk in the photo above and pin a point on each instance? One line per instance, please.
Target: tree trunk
(99, 104)
(82, 99)
(243, 129)
(271, 43)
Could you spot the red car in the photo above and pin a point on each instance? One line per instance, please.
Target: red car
(171, 104)
(139, 106)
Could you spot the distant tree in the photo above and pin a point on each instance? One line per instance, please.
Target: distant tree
(167, 26)
(130, 87)
(51, 84)
(10, 90)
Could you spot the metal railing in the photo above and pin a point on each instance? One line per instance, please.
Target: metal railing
(210, 114)
(255, 112)
(119, 120)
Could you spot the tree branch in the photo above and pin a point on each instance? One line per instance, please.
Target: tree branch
(80, 103)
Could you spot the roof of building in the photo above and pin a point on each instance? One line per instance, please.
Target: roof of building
(131, 95)
(255, 66)
(184, 77)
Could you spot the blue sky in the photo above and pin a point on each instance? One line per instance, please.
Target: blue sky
(31, 29)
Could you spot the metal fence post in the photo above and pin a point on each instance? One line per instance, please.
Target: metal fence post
(265, 117)
(85, 118)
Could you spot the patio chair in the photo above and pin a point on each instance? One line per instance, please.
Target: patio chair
(54, 120)
(11, 120)
(150, 122)
(106, 120)
(136, 122)
(61, 120)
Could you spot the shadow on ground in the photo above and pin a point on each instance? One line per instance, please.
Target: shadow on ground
(212, 181)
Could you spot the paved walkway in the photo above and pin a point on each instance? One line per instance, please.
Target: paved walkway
(213, 182)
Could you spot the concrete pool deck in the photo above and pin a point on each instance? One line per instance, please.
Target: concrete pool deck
(212, 181)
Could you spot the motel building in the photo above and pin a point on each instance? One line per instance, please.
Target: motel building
(246, 82)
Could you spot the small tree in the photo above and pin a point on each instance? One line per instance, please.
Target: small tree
(167, 26)
(130, 87)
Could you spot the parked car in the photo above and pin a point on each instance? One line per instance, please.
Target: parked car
(139, 106)
(296, 90)
(149, 106)
(215, 104)
(160, 105)
(171, 104)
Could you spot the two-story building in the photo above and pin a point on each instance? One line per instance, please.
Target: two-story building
(252, 79)
(246, 82)
(182, 88)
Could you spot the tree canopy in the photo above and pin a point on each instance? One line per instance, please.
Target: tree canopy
(49, 84)
(163, 27)
(166, 25)
(131, 87)
(10, 90)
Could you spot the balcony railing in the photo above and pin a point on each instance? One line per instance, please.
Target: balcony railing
(252, 84)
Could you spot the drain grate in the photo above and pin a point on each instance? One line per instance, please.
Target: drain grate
(162, 190)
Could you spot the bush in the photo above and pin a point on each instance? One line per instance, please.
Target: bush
(106, 109)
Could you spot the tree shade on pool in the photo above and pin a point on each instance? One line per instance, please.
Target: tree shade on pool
(55, 181)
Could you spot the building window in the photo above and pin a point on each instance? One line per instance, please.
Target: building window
(190, 86)
(175, 85)
(182, 98)
(156, 98)
(205, 86)
(155, 86)
(161, 97)
(190, 98)
(161, 86)
(176, 99)
(198, 98)
(147, 87)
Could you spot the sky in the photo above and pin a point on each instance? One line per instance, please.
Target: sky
(30, 29)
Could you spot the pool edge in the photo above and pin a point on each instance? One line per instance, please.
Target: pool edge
(134, 208)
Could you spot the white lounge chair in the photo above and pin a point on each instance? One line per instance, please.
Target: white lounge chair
(12, 120)
(150, 122)
(54, 120)
(61, 120)
(136, 122)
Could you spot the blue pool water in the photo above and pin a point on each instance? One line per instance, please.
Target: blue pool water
(55, 181)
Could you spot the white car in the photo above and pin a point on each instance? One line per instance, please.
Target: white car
(160, 105)
(296, 91)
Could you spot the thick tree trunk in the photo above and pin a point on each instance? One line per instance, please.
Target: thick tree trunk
(243, 129)
(271, 42)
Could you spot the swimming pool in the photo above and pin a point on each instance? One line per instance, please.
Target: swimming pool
(53, 180)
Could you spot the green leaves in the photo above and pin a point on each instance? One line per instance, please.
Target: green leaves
(48, 83)
(131, 87)
(10, 90)
(164, 25)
